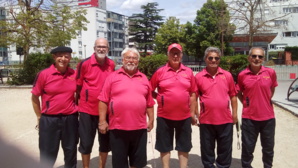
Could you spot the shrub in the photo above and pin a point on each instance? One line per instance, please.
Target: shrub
(33, 64)
(149, 64)
(234, 64)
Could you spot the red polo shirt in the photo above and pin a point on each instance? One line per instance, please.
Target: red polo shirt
(127, 98)
(257, 93)
(174, 90)
(56, 91)
(214, 93)
(91, 76)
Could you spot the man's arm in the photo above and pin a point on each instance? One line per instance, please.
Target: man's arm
(193, 107)
(240, 96)
(36, 106)
(272, 92)
(103, 125)
(150, 114)
(154, 94)
(78, 91)
(234, 109)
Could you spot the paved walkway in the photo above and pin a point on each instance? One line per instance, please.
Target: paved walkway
(17, 132)
(280, 97)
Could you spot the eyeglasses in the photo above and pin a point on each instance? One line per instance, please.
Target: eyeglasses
(211, 58)
(104, 47)
(131, 58)
(255, 56)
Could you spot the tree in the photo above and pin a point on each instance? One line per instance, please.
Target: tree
(190, 39)
(168, 33)
(173, 32)
(35, 24)
(213, 26)
(144, 26)
(253, 17)
(65, 22)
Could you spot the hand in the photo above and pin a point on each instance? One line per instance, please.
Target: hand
(103, 127)
(194, 120)
(37, 124)
(149, 126)
(235, 119)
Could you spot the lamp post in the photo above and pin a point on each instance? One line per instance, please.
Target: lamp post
(85, 49)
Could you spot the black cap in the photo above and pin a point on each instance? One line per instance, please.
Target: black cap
(61, 49)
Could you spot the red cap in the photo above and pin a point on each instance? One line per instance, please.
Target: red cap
(175, 45)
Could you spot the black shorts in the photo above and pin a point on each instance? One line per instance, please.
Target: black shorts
(88, 124)
(165, 134)
(129, 145)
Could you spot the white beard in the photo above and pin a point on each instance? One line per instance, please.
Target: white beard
(100, 55)
(130, 67)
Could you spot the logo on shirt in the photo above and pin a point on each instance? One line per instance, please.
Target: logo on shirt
(222, 77)
(266, 77)
(71, 78)
(184, 75)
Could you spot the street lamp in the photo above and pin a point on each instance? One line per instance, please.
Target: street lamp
(85, 49)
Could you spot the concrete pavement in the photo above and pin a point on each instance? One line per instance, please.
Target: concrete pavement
(280, 97)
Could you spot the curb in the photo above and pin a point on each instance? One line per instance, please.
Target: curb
(286, 109)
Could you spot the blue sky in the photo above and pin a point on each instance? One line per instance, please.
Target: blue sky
(184, 10)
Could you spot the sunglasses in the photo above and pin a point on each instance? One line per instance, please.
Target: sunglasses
(259, 56)
(211, 58)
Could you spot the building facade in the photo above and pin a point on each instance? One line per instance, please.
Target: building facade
(3, 49)
(275, 19)
(102, 23)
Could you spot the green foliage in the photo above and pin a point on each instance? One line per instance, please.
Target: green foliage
(168, 33)
(34, 63)
(148, 65)
(214, 28)
(65, 24)
(31, 26)
(144, 26)
(234, 64)
(294, 52)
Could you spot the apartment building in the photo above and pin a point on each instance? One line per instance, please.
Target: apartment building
(280, 17)
(102, 23)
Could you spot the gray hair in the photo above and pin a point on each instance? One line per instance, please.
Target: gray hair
(102, 39)
(259, 48)
(212, 49)
(127, 49)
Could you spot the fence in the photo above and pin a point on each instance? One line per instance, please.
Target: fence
(283, 72)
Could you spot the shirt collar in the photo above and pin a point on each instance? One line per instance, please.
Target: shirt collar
(248, 71)
(181, 68)
(219, 71)
(54, 71)
(94, 61)
(122, 71)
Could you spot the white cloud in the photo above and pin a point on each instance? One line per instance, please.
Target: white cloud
(134, 4)
(184, 10)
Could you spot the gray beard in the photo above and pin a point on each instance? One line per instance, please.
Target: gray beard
(100, 55)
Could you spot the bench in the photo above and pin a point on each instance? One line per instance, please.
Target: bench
(4, 73)
(293, 88)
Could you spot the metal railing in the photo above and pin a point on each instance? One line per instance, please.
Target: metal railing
(283, 72)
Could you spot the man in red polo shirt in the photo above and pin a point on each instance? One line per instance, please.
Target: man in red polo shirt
(256, 88)
(216, 91)
(57, 115)
(176, 100)
(126, 97)
(91, 74)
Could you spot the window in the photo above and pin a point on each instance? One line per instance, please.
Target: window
(290, 34)
(287, 34)
(280, 22)
(272, 46)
